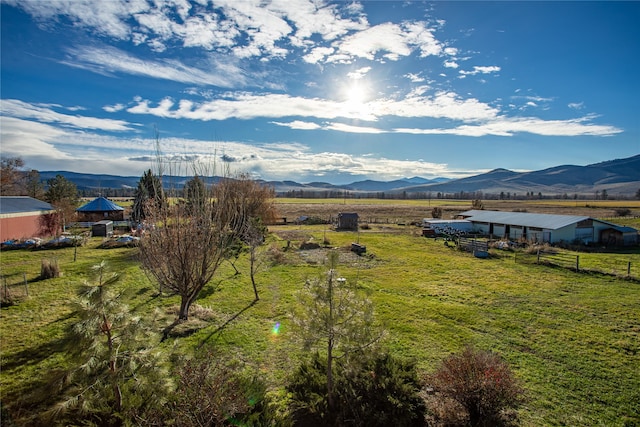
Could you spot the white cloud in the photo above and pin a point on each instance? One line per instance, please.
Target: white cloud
(248, 106)
(415, 78)
(359, 73)
(298, 124)
(44, 113)
(503, 126)
(341, 127)
(390, 40)
(480, 70)
(576, 105)
(111, 60)
(318, 54)
(451, 51)
(114, 108)
(451, 64)
(247, 27)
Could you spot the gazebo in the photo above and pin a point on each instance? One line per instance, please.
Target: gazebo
(100, 209)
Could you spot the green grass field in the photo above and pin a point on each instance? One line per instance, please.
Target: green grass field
(573, 339)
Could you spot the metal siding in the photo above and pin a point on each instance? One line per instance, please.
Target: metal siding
(564, 234)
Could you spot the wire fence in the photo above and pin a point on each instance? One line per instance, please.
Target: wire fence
(591, 263)
(13, 286)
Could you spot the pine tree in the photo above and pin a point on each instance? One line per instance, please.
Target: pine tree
(149, 196)
(334, 318)
(117, 372)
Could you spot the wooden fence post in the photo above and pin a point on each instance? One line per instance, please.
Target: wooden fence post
(26, 286)
(577, 263)
(629, 269)
(538, 258)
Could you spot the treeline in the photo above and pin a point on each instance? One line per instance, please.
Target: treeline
(457, 195)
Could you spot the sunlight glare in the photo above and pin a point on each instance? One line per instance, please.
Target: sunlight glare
(356, 97)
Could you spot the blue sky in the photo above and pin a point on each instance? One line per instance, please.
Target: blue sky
(319, 91)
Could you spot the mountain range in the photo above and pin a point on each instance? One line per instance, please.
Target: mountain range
(616, 177)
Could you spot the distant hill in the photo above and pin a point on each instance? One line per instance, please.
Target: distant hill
(617, 177)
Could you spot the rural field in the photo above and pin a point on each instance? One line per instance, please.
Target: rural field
(572, 338)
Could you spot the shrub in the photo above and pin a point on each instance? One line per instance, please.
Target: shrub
(49, 269)
(276, 255)
(377, 390)
(475, 386)
(623, 212)
(208, 391)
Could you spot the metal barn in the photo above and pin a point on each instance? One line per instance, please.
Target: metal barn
(538, 227)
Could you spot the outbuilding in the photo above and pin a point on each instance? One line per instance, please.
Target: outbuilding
(100, 209)
(540, 227)
(348, 221)
(619, 236)
(26, 217)
(102, 229)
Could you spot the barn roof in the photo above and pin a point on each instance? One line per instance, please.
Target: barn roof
(546, 221)
(100, 205)
(624, 229)
(20, 204)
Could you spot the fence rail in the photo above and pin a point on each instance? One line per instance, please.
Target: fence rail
(578, 263)
(473, 245)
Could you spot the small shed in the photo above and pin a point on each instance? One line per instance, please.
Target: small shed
(348, 221)
(102, 229)
(619, 236)
(100, 209)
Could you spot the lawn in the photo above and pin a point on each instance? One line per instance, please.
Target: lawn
(573, 339)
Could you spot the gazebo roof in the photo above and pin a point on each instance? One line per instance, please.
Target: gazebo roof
(100, 205)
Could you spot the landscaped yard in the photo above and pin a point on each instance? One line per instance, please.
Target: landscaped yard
(573, 339)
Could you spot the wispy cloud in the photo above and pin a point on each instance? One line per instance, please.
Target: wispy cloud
(503, 126)
(107, 60)
(247, 106)
(44, 146)
(45, 113)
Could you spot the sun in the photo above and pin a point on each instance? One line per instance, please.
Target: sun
(356, 94)
(356, 100)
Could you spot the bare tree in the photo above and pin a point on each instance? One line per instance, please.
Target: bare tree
(10, 176)
(254, 238)
(251, 204)
(185, 246)
(63, 195)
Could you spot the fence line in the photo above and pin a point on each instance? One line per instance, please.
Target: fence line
(473, 245)
(578, 264)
